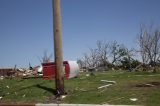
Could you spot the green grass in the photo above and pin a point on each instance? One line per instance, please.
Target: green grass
(84, 89)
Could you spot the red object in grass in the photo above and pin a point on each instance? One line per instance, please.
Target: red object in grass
(50, 68)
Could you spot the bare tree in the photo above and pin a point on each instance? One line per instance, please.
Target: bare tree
(45, 58)
(142, 40)
(91, 59)
(105, 54)
(156, 46)
(102, 52)
(149, 45)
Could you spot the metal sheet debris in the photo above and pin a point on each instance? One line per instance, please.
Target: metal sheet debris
(104, 86)
(107, 81)
(133, 99)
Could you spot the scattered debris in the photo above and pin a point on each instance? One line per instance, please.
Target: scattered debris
(2, 77)
(149, 84)
(151, 75)
(7, 86)
(7, 72)
(104, 103)
(115, 99)
(133, 99)
(20, 72)
(24, 75)
(109, 81)
(76, 88)
(113, 69)
(87, 75)
(35, 71)
(82, 89)
(104, 86)
(103, 90)
(63, 96)
(40, 74)
(1, 97)
(24, 96)
(107, 85)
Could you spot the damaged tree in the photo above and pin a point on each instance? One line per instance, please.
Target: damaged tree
(149, 45)
(117, 52)
(45, 58)
(103, 51)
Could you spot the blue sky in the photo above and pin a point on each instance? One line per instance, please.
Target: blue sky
(26, 26)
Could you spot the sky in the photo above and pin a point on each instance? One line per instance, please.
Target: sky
(26, 27)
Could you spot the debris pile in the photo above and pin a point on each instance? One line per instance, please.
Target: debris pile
(20, 72)
(36, 71)
(6, 72)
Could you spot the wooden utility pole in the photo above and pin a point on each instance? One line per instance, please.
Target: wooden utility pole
(59, 75)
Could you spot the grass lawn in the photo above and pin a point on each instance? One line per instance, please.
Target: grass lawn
(83, 90)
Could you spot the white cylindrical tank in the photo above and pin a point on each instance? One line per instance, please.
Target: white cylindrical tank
(74, 69)
(40, 68)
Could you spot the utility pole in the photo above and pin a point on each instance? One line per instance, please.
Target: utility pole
(59, 75)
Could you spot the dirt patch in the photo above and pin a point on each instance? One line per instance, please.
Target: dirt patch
(149, 84)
